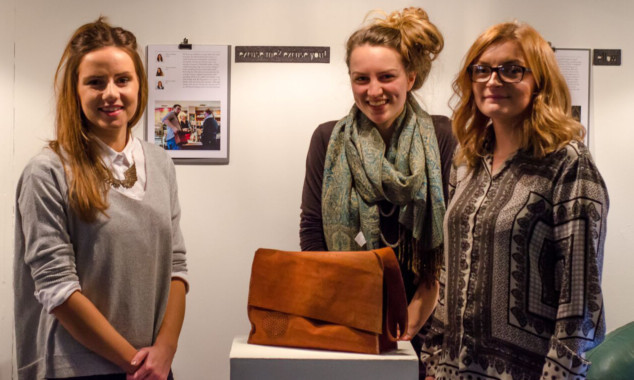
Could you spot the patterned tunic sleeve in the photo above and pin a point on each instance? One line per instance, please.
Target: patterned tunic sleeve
(580, 208)
(432, 343)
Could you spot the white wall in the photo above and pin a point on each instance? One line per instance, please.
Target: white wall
(7, 23)
(229, 211)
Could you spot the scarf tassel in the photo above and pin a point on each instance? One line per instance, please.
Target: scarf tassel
(426, 265)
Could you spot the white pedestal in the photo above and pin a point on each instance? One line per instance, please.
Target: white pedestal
(254, 362)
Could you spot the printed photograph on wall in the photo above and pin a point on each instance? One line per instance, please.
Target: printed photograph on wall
(187, 125)
(188, 102)
(575, 67)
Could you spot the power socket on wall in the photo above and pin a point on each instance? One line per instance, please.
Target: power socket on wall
(606, 57)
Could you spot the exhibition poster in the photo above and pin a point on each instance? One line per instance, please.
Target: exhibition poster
(575, 67)
(188, 102)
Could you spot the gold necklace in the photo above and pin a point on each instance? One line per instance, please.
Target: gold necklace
(128, 181)
(387, 215)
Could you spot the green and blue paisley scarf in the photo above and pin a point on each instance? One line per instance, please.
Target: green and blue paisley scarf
(360, 170)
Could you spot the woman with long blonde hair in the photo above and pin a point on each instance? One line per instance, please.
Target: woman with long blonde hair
(100, 272)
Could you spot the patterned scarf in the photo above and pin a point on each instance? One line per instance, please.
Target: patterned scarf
(358, 174)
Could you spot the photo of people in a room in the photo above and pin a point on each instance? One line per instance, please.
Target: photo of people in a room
(187, 125)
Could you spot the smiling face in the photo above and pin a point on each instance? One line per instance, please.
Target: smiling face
(504, 103)
(379, 83)
(108, 90)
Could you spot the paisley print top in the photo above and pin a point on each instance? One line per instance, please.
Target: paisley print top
(521, 286)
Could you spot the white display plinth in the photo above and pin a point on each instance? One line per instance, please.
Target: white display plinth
(255, 362)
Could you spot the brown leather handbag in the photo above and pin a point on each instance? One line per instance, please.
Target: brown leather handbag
(341, 301)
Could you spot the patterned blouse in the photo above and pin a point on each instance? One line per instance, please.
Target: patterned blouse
(521, 289)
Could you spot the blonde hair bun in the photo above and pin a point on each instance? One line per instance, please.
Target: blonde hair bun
(409, 32)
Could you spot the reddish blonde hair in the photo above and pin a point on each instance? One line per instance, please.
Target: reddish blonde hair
(548, 127)
(74, 143)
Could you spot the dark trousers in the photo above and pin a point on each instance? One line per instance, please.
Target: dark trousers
(117, 376)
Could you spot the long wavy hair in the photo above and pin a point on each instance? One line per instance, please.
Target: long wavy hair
(409, 32)
(549, 125)
(75, 145)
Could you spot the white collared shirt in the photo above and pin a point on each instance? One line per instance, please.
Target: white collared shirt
(119, 162)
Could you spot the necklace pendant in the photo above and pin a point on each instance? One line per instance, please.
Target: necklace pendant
(129, 180)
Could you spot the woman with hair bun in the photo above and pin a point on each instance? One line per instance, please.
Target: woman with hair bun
(100, 273)
(375, 177)
(526, 222)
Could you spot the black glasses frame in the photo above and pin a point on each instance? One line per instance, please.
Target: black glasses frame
(497, 70)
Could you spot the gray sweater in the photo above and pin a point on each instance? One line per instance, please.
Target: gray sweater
(123, 263)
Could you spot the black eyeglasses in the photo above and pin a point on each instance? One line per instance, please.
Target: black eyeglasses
(507, 73)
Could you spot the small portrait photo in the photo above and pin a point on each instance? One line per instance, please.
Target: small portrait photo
(159, 72)
(159, 57)
(159, 85)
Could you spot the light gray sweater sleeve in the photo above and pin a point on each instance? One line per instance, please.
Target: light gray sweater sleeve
(179, 263)
(41, 200)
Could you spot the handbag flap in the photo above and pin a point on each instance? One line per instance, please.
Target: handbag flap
(338, 287)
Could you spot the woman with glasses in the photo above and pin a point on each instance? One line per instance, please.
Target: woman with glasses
(375, 177)
(525, 225)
